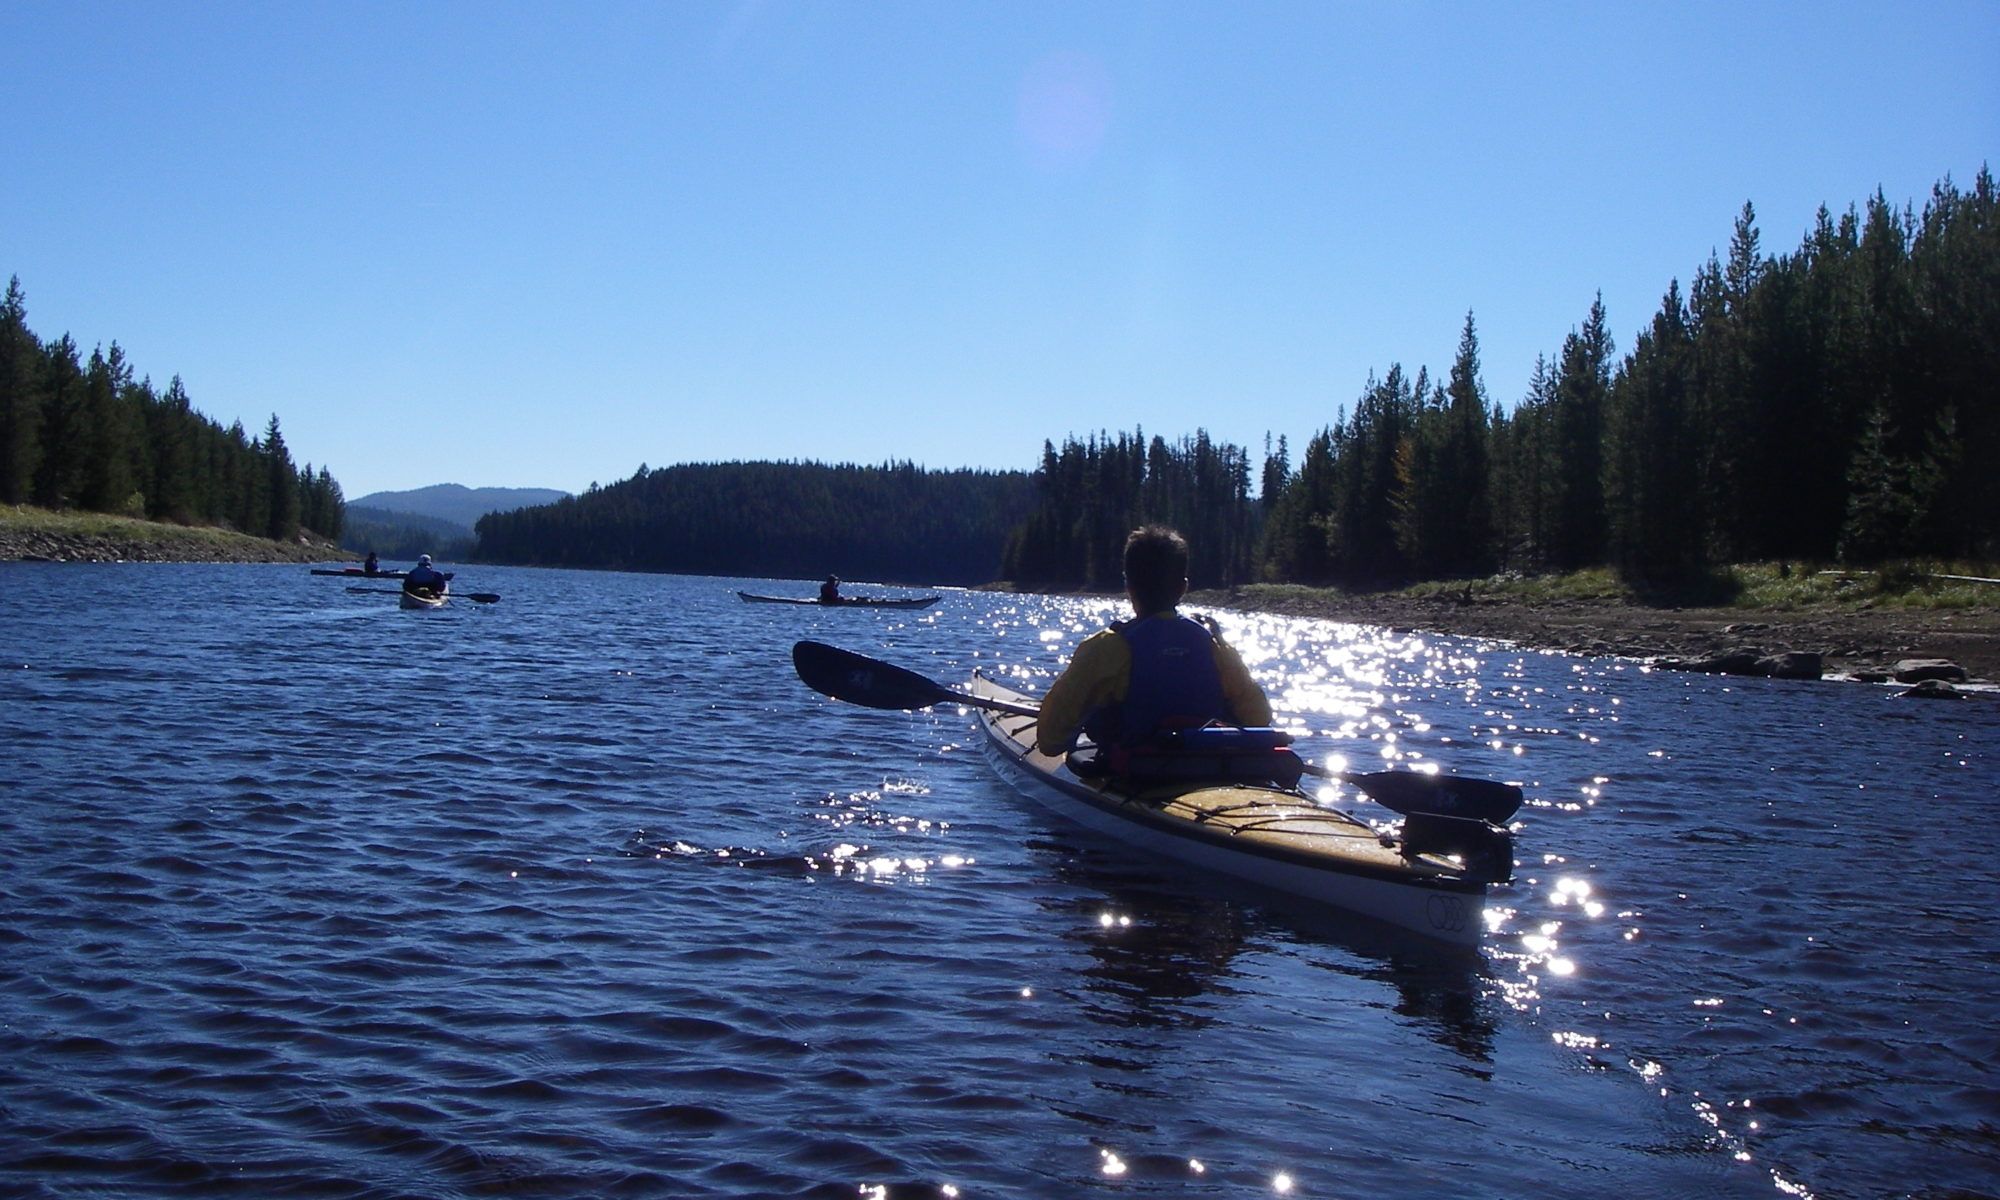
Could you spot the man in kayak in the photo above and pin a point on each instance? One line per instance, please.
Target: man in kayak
(425, 579)
(829, 592)
(1158, 671)
(373, 566)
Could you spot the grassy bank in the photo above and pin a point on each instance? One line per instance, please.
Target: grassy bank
(1860, 622)
(43, 535)
(1750, 588)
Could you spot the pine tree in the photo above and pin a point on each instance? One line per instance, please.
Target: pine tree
(170, 436)
(282, 482)
(112, 435)
(1653, 503)
(59, 469)
(1582, 385)
(20, 398)
(1453, 537)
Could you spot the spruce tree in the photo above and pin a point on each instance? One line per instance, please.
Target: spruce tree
(20, 398)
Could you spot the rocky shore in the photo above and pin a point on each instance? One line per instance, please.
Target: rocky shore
(1868, 644)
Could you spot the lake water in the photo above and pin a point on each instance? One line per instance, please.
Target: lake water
(583, 894)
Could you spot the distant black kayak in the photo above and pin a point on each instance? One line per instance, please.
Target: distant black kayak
(845, 601)
(358, 573)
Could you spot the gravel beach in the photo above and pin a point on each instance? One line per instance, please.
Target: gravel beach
(1856, 642)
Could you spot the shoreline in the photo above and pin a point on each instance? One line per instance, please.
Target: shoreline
(38, 535)
(1853, 642)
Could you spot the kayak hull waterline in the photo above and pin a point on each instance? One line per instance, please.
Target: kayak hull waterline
(1275, 838)
(418, 600)
(845, 602)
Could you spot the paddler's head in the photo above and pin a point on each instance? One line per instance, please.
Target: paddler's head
(1156, 562)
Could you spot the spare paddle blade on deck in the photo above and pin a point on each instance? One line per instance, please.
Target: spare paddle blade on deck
(1484, 850)
(1444, 795)
(872, 683)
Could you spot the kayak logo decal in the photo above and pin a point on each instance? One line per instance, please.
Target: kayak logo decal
(1446, 913)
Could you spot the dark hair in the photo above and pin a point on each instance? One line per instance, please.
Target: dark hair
(1156, 563)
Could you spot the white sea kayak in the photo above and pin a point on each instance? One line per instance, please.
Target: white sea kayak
(426, 599)
(1276, 838)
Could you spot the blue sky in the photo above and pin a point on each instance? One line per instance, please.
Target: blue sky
(536, 245)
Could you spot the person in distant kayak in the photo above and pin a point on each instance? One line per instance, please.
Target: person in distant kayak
(1158, 671)
(373, 566)
(425, 579)
(829, 592)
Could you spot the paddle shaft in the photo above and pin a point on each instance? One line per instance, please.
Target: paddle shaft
(476, 597)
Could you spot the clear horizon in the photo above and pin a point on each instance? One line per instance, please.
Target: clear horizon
(520, 245)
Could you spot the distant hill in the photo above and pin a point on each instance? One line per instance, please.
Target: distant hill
(460, 505)
(401, 536)
(434, 520)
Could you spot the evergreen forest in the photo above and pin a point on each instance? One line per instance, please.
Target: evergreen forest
(87, 435)
(1837, 403)
(1840, 403)
(893, 523)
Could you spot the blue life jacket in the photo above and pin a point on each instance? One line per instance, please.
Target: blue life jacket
(1174, 683)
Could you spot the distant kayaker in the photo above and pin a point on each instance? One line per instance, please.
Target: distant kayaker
(373, 566)
(424, 578)
(1158, 671)
(829, 592)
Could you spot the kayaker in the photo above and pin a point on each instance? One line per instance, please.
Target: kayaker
(1159, 670)
(829, 592)
(425, 578)
(373, 566)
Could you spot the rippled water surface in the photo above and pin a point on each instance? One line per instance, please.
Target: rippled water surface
(582, 894)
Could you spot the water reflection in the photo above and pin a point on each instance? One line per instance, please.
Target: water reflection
(1157, 945)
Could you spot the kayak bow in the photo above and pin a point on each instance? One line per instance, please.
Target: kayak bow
(426, 599)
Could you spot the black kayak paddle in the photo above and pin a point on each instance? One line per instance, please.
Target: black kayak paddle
(477, 597)
(871, 683)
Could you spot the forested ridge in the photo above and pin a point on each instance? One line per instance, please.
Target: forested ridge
(87, 435)
(893, 523)
(1837, 403)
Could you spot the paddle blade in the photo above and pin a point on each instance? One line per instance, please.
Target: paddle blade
(1445, 795)
(480, 597)
(1485, 850)
(868, 682)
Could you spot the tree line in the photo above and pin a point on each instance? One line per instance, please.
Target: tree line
(1091, 493)
(895, 523)
(1840, 403)
(85, 434)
